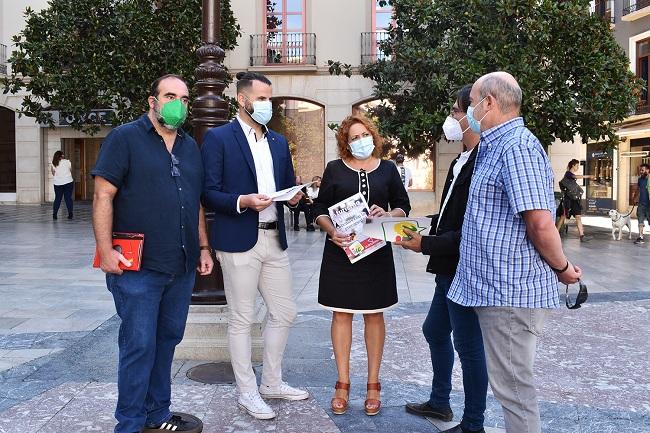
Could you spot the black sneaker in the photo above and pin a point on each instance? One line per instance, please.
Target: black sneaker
(639, 240)
(311, 228)
(460, 429)
(179, 422)
(423, 409)
(296, 229)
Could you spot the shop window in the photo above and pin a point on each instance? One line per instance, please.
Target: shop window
(642, 69)
(600, 189)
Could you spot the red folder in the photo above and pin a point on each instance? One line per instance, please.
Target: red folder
(130, 246)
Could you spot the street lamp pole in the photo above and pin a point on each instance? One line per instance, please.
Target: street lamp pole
(209, 110)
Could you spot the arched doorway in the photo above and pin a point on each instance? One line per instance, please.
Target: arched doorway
(7, 151)
(302, 122)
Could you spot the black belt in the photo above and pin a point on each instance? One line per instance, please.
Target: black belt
(273, 225)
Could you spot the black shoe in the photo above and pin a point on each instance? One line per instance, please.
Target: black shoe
(423, 409)
(459, 429)
(638, 240)
(584, 239)
(54, 217)
(311, 229)
(296, 229)
(179, 422)
(70, 216)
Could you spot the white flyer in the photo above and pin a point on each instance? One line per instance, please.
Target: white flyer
(287, 194)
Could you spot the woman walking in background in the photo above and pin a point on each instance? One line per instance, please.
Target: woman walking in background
(61, 169)
(572, 197)
(368, 286)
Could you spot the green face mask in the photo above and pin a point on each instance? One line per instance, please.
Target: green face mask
(172, 114)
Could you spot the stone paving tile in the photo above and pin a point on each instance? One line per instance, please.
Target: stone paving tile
(31, 416)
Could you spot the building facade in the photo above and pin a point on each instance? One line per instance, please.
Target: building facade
(291, 41)
(288, 40)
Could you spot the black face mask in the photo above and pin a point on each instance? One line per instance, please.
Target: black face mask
(580, 299)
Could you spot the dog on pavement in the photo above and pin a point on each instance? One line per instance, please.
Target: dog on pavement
(618, 222)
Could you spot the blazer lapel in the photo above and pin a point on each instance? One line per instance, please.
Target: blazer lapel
(243, 144)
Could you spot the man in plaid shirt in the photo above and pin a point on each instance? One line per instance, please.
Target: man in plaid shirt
(511, 255)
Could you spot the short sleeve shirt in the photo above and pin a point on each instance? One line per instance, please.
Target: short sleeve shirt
(152, 198)
(499, 265)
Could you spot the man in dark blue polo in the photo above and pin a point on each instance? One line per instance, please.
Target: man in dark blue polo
(148, 179)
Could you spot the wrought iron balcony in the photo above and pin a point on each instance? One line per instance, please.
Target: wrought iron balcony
(275, 48)
(604, 9)
(630, 6)
(370, 47)
(3, 59)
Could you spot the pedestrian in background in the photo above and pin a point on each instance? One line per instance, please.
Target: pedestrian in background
(641, 197)
(304, 206)
(572, 197)
(511, 254)
(404, 172)
(61, 169)
(368, 286)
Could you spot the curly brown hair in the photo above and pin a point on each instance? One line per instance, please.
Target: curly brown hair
(344, 130)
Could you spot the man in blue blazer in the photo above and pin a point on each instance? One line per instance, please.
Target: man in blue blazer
(243, 163)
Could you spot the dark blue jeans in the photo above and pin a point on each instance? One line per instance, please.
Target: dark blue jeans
(63, 191)
(153, 307)
(445, 316)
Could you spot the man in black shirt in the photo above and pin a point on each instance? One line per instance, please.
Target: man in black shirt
(148, 179)
(443, 246)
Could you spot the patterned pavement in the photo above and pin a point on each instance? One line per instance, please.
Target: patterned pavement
(58, 343)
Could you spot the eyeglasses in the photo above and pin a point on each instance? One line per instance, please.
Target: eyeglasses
(175, 171)
(580, 299)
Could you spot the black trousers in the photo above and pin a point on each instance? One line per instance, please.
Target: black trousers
(307, 209)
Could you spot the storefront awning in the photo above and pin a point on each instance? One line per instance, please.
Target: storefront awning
(639, 129)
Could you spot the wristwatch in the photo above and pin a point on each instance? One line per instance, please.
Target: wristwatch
(206, 247)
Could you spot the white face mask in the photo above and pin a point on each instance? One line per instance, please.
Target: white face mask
(452, 129)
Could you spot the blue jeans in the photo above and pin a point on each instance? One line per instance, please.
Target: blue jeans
(63, 192)
(153, 307)
(445, 316)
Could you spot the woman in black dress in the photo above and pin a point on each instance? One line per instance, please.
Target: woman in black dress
(367, 286)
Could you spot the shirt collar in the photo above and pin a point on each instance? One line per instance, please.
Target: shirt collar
(248, 130)
(148, 126)
(493, 134)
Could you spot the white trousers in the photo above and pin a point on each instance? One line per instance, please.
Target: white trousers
(264, 269)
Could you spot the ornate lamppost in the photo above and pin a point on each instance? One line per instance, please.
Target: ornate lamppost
(210, 110)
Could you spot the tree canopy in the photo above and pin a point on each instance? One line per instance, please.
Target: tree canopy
(79, 55)
(574, 76)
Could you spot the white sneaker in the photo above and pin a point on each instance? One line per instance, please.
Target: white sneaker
(283, 391)
(252, 403)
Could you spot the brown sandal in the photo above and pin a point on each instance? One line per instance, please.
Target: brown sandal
(340, 405)
(373, 405)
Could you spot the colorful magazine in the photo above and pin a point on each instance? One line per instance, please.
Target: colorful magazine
(349, 217)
